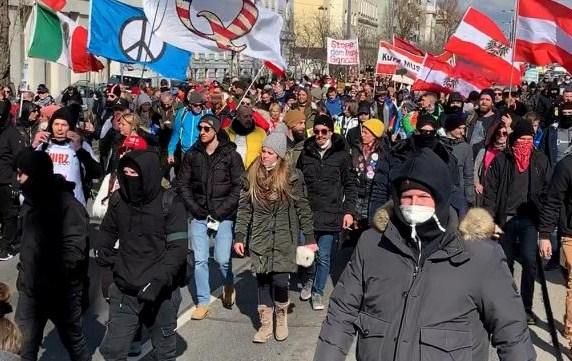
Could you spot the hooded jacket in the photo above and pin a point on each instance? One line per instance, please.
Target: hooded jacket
(463, 153)
(210, 184)
(152, 245)
(275, 228)
(443, 310)
(53, 230)
(185, 130)
(331, 183)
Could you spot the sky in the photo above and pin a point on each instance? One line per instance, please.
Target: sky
(494, 8)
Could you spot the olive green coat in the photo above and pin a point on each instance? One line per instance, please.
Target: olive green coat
(275, 228)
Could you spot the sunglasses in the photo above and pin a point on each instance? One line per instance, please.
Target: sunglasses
(197, 105)
(203, 128)
(498, 93)
(245, 103)
(321, 131)
(427, 132)
(502, 134)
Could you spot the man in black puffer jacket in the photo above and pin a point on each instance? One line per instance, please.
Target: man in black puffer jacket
(210, 183)
(332, 190)
(143, 238)
(54, 257)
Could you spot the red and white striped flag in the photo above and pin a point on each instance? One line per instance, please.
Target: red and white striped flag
(391, 58)
(479, 39)
(441, 77)
(544, 33)
(407, 46)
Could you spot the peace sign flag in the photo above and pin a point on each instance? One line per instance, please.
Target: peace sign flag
(122, 33)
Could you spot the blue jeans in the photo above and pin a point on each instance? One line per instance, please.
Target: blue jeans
(323, 260)
(200, 243)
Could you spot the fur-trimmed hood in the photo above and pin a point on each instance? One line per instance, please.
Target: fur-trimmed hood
(477, 224)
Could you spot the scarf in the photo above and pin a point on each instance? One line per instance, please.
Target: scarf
(522, 150)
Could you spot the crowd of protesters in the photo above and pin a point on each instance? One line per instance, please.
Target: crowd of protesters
(286, 172)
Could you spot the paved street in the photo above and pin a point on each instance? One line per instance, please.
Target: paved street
(226, 334)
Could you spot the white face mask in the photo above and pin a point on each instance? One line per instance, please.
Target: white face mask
(417, 214)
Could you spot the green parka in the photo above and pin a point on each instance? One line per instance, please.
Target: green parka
(274, 229)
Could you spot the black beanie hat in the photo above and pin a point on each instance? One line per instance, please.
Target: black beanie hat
(425, 119)
(489, 92)
(325, 121)
(521, 128)
(64, 114)
(35, 164)
(454, 121)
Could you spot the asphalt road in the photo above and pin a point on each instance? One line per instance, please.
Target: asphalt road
(226, 334)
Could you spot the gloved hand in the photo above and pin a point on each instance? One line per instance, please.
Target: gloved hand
(150, 291)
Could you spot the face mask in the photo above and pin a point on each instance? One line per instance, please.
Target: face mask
(522, 151)
(134, 189)
(417, 214)
(455, 110)
(425, 140)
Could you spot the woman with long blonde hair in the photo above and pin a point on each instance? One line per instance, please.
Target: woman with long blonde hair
(275, 209)
(10, 335)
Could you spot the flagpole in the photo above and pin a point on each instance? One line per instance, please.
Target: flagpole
(150, 37)
(249, 87)
(513, 47)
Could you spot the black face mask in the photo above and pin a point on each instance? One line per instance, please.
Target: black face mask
(134, 189)
(453, 109)
(565, 121)
(425, 140)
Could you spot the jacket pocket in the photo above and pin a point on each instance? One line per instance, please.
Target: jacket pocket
(371, 332)
(439, 344)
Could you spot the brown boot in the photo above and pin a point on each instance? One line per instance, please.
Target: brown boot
(281, 310)
(228, 296)
(265, 330)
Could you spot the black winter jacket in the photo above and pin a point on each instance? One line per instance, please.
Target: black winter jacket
(53, 233)
(557, 208)
(498, 184)
(152, 244)
(331, 183)
(210, 184)
(11, 143)
(443, 310)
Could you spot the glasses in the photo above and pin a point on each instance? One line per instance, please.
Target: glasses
(427, 132)
(245, 103)
(204, 128)
(499, 93)
(321, 131)
(197, 105)
(502, 134)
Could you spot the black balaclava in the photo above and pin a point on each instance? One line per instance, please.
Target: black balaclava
(565, 121)
(425, 140)
(146, 187)
(134, 190)
(39, 168)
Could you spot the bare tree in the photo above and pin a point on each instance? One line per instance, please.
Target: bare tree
(311, 41)
(4, 43)
(449, 15)
(406, 17)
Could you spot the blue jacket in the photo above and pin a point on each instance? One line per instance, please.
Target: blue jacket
(335, 107)
(185, 130)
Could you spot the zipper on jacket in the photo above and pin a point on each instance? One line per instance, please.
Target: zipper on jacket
(416, 272)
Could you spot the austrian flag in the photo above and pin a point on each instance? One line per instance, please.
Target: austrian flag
(441, 77)
(481, 41)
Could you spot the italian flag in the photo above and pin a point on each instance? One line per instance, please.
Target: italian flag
(57, 38)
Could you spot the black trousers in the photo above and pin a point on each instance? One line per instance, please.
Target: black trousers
(9, 206)
(272, 287)
(32, 314)
(127, 313)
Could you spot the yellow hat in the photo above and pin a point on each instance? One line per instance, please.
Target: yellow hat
(375, 126)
